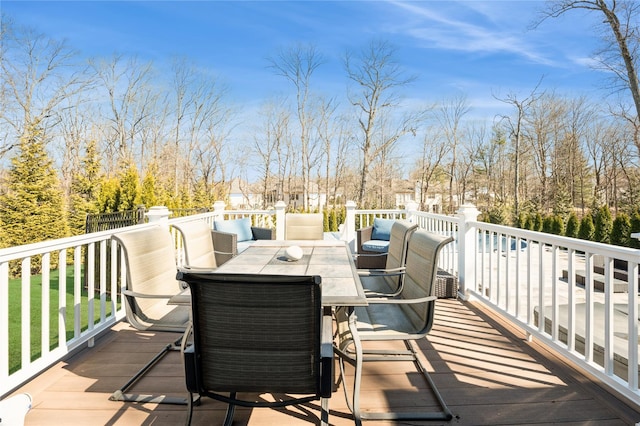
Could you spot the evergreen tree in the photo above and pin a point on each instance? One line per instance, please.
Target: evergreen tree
(586, 228)
(522, 220)
(32, 208)
(537, 222)
(333, 220)
(149, 192)
(129, 188)
(562, 204)
(557, 225)
(621, 230)
(85, 190)
(109, 198)
(603, 224)
(528, 222)
(573, 226)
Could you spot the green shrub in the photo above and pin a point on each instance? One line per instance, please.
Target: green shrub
(528, 222)
(573, 226)
(603, 224)
(587, 229)
(537, 222)
(553, 224)
(621, 230)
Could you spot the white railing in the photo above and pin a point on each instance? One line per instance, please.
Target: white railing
(77, 281)
(518, 273)
(76, 299)
(564, 292)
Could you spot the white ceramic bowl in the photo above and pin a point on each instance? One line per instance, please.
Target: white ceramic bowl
(293, 253)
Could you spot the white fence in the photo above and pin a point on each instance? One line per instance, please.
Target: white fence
(590, 314)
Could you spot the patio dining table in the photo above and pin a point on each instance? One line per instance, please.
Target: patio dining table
(330, 259)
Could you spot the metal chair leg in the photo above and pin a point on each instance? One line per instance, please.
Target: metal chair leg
(121, 395)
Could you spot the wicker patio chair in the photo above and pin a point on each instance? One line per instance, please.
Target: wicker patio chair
(388, 281)
(406, 317)
(231, 237)
(257, 334)
(148, 256)
(372, 243)
(304, 226)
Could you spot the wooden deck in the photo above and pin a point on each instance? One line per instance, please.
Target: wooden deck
(487, 373)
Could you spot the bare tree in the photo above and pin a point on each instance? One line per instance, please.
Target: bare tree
(450, 117)
(471, 144)
(514, 127)
(343, 142)
(620, 52)
(269, 141)
(493, 163)
(377, 77)
(297, 64)
(130, 102)
(38, 76)
(434, 150)
(328, 129)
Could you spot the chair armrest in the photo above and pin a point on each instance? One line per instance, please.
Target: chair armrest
(189, 360)
(369, 254)
(263, 233)
(225, 245)
(197, 269)
(326, 356)
(392, 301)
(362, 235)
(146, 296)
(382, 272)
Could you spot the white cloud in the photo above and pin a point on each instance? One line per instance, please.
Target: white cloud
(471, 31)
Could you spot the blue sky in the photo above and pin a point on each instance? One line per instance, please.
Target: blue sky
(480, 49)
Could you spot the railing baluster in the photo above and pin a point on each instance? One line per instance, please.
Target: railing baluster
(62, 298)
(77, 291)
(4, 319)
(588, 338)
(555, 316)
(103, 280)
(571, 307)
(45, 303)
(91, 287)
(632, 326)
(541, 304)
(608, 316)
(26, 312)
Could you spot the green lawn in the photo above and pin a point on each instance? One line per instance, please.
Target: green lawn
(15, 314)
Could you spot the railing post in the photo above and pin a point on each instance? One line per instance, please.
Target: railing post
(349, 232)
(468, 215)
(159, 214)
(280, 219)
(218, 210)
(411, 207)
(140, 211)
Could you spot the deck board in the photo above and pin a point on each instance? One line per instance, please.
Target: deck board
(487, 372)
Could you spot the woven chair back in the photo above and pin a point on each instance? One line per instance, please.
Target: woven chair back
(257, 333)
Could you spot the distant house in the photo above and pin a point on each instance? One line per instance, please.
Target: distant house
(242, 195)
(407, 191)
